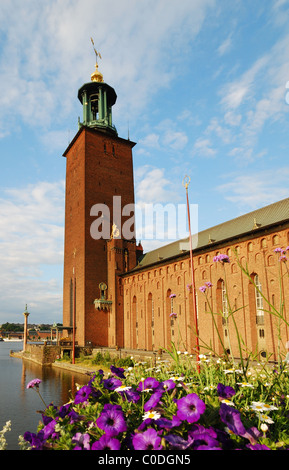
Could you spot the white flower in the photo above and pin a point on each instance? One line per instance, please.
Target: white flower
(265, 418)
(227, 402)
(245, 384)
(210, 387)
(122, 388)
(175, 378)
(264, 427)
(260, 407)
(151, 415)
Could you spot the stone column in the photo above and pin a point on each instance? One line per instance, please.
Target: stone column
(25, 328)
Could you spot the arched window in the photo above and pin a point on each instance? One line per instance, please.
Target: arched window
(225, 308)
(259, 301)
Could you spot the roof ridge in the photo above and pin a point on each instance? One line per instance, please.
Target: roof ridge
(247, 214)
(166, 251)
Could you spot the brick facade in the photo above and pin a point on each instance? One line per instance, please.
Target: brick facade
(147, 302)
(98, 167)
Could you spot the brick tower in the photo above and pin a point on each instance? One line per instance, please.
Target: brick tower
(99, 184)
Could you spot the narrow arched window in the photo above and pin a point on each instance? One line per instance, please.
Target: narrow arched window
(259, 301)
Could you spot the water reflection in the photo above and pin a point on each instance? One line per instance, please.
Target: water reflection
(21, 405)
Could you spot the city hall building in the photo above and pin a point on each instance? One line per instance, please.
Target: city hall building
(114, 295)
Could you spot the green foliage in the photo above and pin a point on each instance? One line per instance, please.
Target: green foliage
(263, 386)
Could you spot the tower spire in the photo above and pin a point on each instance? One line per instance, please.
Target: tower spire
(97, 99)
(96, 76)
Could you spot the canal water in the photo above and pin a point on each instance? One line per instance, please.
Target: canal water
(19, 404)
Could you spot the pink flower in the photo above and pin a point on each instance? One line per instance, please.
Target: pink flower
(34, 383)
(279, 250)
(222, 258)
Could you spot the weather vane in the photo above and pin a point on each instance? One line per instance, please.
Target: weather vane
(96, 53)
(186, 181)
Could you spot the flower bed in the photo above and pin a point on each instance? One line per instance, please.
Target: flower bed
(169, 407)
(208, 404)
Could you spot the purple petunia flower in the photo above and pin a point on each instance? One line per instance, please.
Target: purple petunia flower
(172, 296)
(258, 447)
(252, 434)
(177, 442)
(225, 391)
(82, 441)
(111, 420)
(34, 383)
(74, 416)
(168, 384)
(204, 438)
(148, 440)
(153, 400)
(106, 442)
(63, 410)
(148, 383)
(82, 394)
(190, 408)
(112, 383)
(118, 371)
(36, 440)
(232, 419)
(48, 430)
(131, 395)
(202, 288)
(165, 423)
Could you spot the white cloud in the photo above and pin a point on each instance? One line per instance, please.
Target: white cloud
(225, 46)
(251, 191)
(31, 251)
(165, 136)
(47, 53)
(150, 140)
(176, 140)
(203, 148)
(152, 186)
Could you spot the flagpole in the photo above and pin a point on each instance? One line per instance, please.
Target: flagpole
(186, 182)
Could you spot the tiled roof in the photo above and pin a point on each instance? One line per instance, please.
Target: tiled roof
(244, 225)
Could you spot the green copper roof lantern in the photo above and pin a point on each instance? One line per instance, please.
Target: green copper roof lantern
(97, 99)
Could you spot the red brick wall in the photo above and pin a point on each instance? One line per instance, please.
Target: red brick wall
(158, 282)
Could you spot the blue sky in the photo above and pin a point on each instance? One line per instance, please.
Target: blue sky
(201, 87)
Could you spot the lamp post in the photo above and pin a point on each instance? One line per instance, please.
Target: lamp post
(186, 182)
(25, 313)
